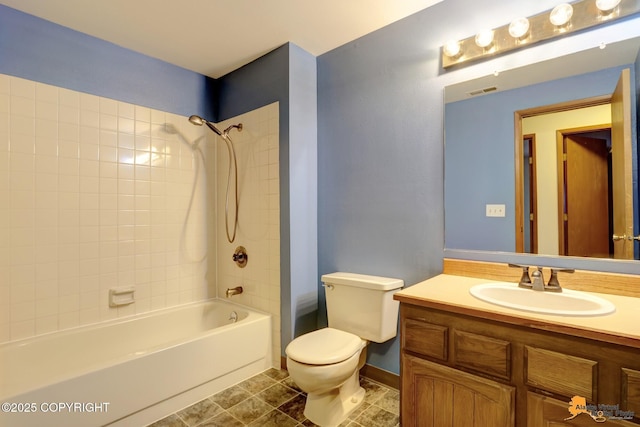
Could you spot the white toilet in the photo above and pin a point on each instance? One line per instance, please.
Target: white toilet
(326, 363)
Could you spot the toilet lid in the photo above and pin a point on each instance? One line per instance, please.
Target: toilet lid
(324, 347)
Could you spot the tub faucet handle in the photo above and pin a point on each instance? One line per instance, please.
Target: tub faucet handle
(240, 256)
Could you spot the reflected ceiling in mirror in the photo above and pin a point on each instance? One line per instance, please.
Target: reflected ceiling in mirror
(479, 138)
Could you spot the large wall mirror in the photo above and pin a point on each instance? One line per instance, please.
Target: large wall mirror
(544, 159)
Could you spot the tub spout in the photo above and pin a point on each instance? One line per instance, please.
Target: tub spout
(234, 291)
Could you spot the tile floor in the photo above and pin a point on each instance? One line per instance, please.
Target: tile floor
(272, 399)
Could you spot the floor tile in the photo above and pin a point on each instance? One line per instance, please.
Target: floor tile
(273, 399)
(375, 416)
(277, 394)
(250, 409)
(274, 418)
(276, 374)
(223, 419)
(230, 397)
(294, 407)
(171, 421)
(390, 402)
(199, 412)
(257, 383)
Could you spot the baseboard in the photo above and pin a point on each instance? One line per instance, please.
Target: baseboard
(376, 374)
(380, 375)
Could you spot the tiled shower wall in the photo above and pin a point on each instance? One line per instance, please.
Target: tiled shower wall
(258, 215)
(94, 194)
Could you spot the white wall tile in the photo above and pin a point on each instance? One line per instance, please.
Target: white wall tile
(259, 206)
(96, 194)
(22, 87)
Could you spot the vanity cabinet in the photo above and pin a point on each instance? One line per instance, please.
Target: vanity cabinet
(478, 369)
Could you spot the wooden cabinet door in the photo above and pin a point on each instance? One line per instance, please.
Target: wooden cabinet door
(434, 395)
(543, 411)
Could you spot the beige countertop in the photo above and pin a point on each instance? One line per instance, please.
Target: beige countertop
(451, 293)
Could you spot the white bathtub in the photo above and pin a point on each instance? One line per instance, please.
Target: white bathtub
(131, 372)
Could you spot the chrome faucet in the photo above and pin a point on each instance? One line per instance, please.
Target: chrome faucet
(536, 281)
(234, 291)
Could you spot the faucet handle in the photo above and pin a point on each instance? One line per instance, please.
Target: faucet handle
(525, 280)
(554, 284)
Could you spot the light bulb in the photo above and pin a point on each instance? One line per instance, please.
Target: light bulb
(484, 38)
(519, 28)
(561, 14)
(607, 6)
(452, 48)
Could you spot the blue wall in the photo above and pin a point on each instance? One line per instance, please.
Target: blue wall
(479, 166)
(287, 75)
(42, 51)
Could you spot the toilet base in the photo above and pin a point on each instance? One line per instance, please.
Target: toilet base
(333, 407)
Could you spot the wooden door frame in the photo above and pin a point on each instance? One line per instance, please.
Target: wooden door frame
(561, 134)
(518, 150)
(533, 196)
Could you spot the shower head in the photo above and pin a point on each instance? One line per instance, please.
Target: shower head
(196, 120)
(199, 121)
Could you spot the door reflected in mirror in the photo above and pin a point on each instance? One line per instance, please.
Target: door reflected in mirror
(571, 145)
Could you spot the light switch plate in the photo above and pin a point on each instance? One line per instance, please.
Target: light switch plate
(496, 210)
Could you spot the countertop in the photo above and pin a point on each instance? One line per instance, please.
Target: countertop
(451, 293)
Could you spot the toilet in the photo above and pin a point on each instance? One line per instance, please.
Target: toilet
(326, 363)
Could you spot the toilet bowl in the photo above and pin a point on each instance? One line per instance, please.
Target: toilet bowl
(325, 364)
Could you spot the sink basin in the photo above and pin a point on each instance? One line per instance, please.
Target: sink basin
(565, 303)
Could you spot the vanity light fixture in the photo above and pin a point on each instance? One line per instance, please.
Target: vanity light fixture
(561, 14)
(563, 19)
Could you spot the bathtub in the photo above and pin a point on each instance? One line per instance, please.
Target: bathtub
(134, 371)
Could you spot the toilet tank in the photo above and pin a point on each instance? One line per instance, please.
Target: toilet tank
(362, 304)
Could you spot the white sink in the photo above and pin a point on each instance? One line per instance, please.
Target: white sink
(565, 303)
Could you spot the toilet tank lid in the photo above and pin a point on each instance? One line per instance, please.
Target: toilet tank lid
(362, 281)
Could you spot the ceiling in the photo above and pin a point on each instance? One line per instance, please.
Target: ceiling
(214, 37)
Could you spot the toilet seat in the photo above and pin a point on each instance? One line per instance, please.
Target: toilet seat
(324, 347)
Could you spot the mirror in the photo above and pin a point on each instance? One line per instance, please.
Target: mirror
(489, 194)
